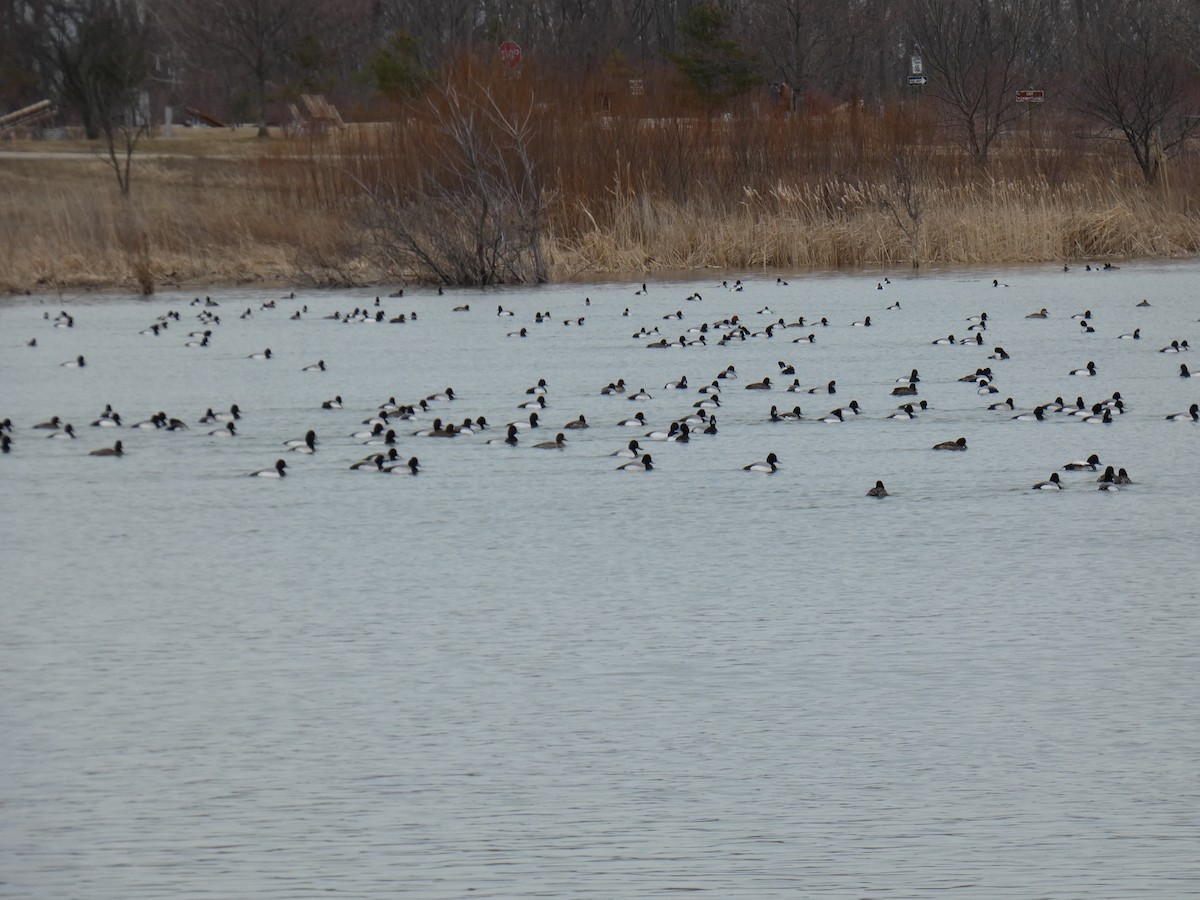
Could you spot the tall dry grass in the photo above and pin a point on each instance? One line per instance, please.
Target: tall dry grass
(644, 184)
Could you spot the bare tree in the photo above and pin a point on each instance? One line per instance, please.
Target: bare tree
(477, 215)
(266, 43)
(905, 196)
(801, 41)
(976, 54)
(1135, 81)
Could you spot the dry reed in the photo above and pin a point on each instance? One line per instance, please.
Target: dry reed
(627, 192)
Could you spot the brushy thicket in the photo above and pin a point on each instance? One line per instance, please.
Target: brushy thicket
(648, 183)
(493, 179)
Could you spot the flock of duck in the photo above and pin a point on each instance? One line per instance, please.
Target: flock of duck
(386, 423)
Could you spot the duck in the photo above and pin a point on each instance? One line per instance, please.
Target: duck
(558, 443)
(835, 415)
(1038, 415)
(501, 311)
(910, 379)
(764, 385)
(680, 385)
(905, 413)
(524, 332)
(235, 413)
(1122, 477)
(67, 432)
(1089, 369)
(728, 372)
(116, 449)
(1051, 484)
(786, 369)
(630, 451)
(682, 436)
(1192, 415)
(1090, 464)
(539, 388)
(318, 366)
(538, 402)
(864, 323)
(265, 354)
(1135, 335)
(77, 363)
(640, 395)
(5, 443)
(830, 388)
(377, 426)
(375, 460)
(712, 388)
(645, 464)
(637, 421)
(1183, 371)
(230, 430)
(878, 491)
(335, 403)
(276, 472)
(960, 444)
(581, 422)
(408, 468)
(388, 439)
(768, 466)
(909, 390)
(611, 388)
(1040, 314)
(306, 444)
(156, 421)
(108, 420)
(1097, 418)
(1006, 405)
(999, 353)
(53, 424)
(510, 438)
(526, 426)
(709, 402)
(986, 387)
(1173, 347)
(1108, 476)
(949, 339)
(663, 435)
(446, 395)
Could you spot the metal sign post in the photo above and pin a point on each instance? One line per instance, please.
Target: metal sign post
(1031, 98)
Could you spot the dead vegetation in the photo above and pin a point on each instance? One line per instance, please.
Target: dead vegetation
(489, 186)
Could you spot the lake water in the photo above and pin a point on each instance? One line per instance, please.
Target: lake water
(523, 673)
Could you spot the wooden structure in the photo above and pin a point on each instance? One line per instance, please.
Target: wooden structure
(26, 115)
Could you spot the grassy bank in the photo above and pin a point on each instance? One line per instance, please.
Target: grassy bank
(617, 197)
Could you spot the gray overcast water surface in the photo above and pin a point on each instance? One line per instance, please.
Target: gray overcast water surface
(523, 673)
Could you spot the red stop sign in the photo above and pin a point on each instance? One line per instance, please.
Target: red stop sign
(510, 54)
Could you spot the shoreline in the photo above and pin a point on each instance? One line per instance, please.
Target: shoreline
(226, 211)
(67, 293)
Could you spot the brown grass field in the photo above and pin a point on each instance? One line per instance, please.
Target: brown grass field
(214, 206)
